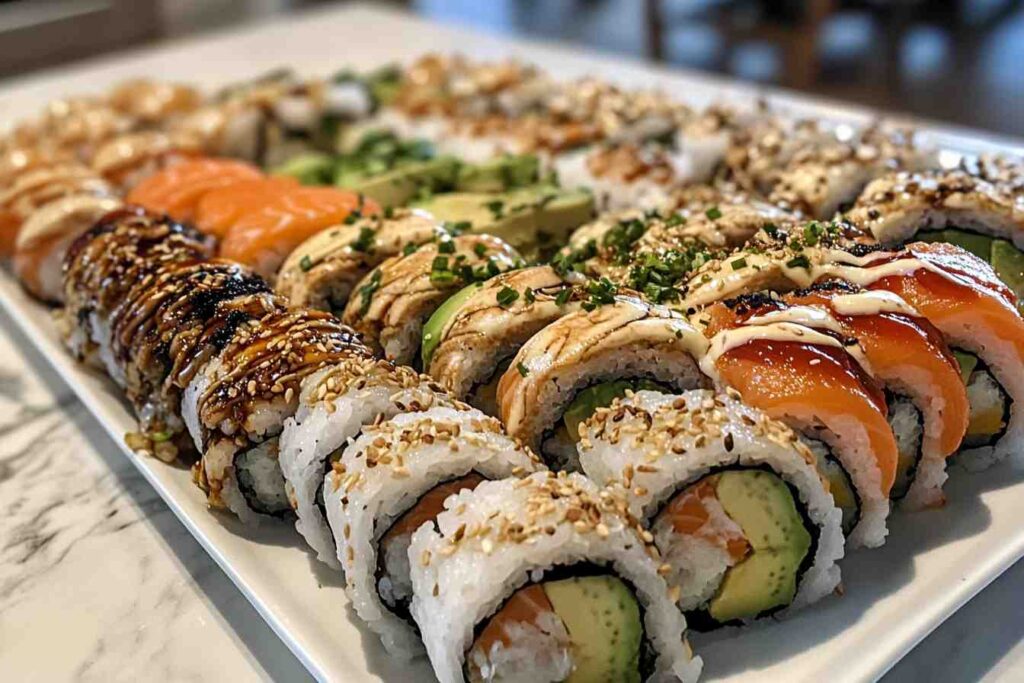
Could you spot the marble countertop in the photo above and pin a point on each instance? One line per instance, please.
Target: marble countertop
(100, 582)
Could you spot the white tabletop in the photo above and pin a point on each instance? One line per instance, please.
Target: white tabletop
(99, 581)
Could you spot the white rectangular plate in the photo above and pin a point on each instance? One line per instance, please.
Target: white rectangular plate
(932, 564)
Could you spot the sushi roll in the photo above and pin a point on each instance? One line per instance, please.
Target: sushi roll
(45, 236)
(264, 237)
(814, 170)
(178, 299)
(622, 176)
(391, 480)
(818, 382)
(154, 102)
(127, 159)
(235, 407)
(335, 404)
(733, 498)
(985, 217)
(37, 187)
(122, 249)
(927, 402)
(584, 360)
(469, 341)
(323, 271)
(957, 292)
(547, 578)
(393, 302)
(178, 189)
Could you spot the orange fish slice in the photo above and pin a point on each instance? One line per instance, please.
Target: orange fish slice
(263, 238)
(177, 189)
(220, 209)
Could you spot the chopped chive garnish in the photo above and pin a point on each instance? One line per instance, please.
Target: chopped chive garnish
(506, 296)
(523, 370)
(305, 263)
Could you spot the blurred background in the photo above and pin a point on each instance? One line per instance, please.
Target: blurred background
(959, 61)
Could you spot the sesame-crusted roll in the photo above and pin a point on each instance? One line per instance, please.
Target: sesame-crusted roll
(391, 480)
(390, 305)
(323, 271)
(179, 299)
(235, 407)
(584, 360)
(471, 338)
(734, 499)
(548, 578)
(124, 248)
(335, 404)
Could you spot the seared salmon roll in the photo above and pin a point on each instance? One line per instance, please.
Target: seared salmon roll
(125, 160)
(335, 404)
(323, 271)
(984, 217)
(816, 381)
(805, 166)
(235, 407)
(122, 249)
(178, 299)
(45, 236)
(547, 578)
(395, 478)
(584, 360)
(37, 187)
(392, 303)
(734, 500)
(219, 209)
(469, 341)
(957, 292)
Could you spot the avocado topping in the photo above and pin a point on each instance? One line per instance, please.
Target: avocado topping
(434, 327)
(1008, 262)
(762, 505)
(499, 175)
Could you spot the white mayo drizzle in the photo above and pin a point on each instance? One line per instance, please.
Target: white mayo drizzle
(871, 303)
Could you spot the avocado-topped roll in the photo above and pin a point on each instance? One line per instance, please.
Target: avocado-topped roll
(734, 499)
(808, 168)
(235, 407)
(122, 249)
(986, 218)
(334, 406)
(322, 271)
(584, 360)
(391, 304)
(179, 299)
(391, 480)
(471, 338)
(545, 579)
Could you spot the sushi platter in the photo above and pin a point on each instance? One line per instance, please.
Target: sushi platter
(526, 363)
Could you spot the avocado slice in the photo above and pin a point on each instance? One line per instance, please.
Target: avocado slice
(405, 182)
(979, 245)
(499, 175)
(1008, 262)
(309, 169)
(762, 505)
(435, 324)
(967, 363)
(603, 620)
(528, 218)
(599, 396)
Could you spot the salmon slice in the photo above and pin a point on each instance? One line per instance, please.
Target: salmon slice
(428, 507)
(263, 238)
(813, 385)
(907, 351)
(177, 189)
(690, 514)
(526, 606)
(219, 209)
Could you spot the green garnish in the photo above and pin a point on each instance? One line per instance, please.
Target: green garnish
(497, 208)
(738, 263)
(506, 296)
(528, 295)
(410, 248)
(305, 263)
(601, 292)
(480, 249)
(446, 247)
(364, 242)
(714, 213)
(523, 370)
(799, 261)
(367, 291)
